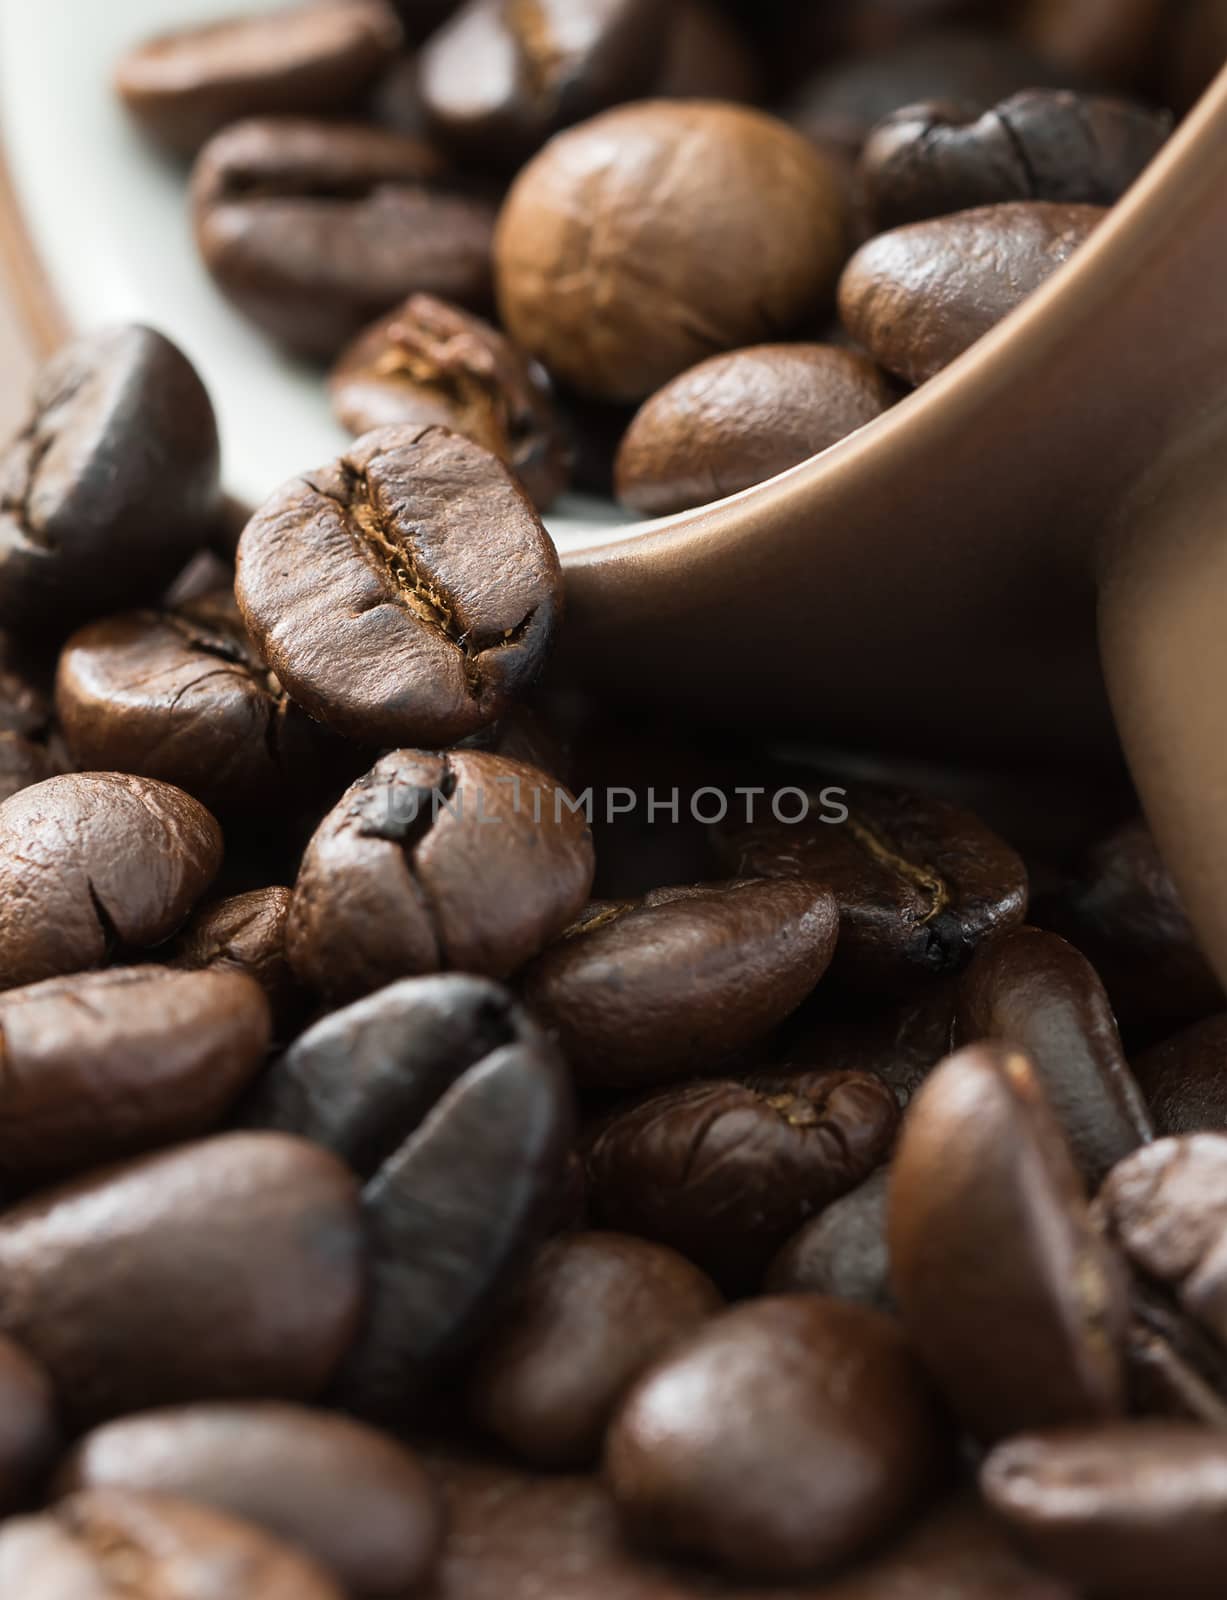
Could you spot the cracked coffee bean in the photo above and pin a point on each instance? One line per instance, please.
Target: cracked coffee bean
(95, 864)
(29, 1430)
(842, 1251)
(428, 364)
(314, 229)
(1184, 1079)
(111, 485)
(245, 933)
(406, 594)
(185, 86)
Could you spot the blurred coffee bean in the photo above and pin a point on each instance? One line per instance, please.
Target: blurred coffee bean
(1184, 1079)
(245, 933)
(422, 17)
(1014, 1301)
(1196, 51)
(707, 57)
(23, 764)
(29, 1430)
(842, 1251)
(1102, 41)
(203, 577)
(314, 229)
(1176, 1369)
(396, 101)
(900, 1044)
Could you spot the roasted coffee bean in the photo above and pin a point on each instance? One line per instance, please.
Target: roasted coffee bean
(1196, 50)
(918, 297)
(184, 87)
(502, 75)
(592, 1312)
(1102, 41)
(354, 1499)
(405, 594)
(107, 1064)
(1012, 1298)
(428, 364)
(314, 229)
(900, 1044)
(1184, 1079)
(1044, 144)
(207, 574)
(725, 1172)
(95, 862)
(228, 1268)
(29, 1432)
(617, 290)
(115, 1545)
(842, 1251)
(111, 484)
(735, 1446)
(707, 57)
(245, 933)
(920, 882)
(1131, 1509)
(1036, 991)
(462, 861)
(639, 992)
(738, 419)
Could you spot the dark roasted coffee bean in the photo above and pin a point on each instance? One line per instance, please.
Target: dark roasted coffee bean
(111, 484)
(1133, 1509)
(184, 87)
(1037, 992)
(738, 419)
(115, 1545)
(354, 1499)
(405, 594)
(920, 882)
(707, 57)
(1044, 144)
(639, 992)
(664, 288)
(1101, 41)
(461, 861)
(592, 1312)
(94, 862)
(1176, 1369)
(313, 229)
(842, 1251)
(428, 364)
(735, 1446)
(1013, 1299)
(502, 75)
(228, 1268)
(245, 933)
(918, 297)
(725, 1172)
(107, 1064)
(900, 1044)
(29, 1432)
(1184, 1079)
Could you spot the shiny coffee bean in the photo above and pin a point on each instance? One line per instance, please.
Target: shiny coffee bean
(707, 57)
(638, 992)
(738, 419)
(116, 1545)
(461, 861)
(920, 883)
(735, 1447)
(502, 75)
(111, 484)
(918, 297)
(1184, 1079)
(900, 1044)
(313, 229)
(428, 364)
(1014, 1301)
(227, 1268)
(1044, 144)
(245, 933)
(184, 87)
(355, 1500)
(592, 1312)
(725, 1172)
(1102, 41)
(668, 283)
(1036, 991)
(106, 1064)
(405, 594)
(1131, 1509)
(97, 862)
(29, 1431)
(842, 1251)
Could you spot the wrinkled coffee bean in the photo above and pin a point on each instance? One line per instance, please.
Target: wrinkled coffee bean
(428, 364)
(665, 288)
(1012, 1298)
(228, 1268)
(1037, 992)
(735, 1447)
(724, 1172)
(739, 419)
(354, 1499)
(184, 87)
(918, 297)
(461, 861)
(707, 57)
(29, 1432)
(638, 992)
(900, 1044)
(502, 75)
(245, 933)
(1104, 41)
(97, 862)
(842, 1251)
(592, 1312)
(111, 484)
(313, 229)
(1044, 144)
(1184, 1079)
(405, 594)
